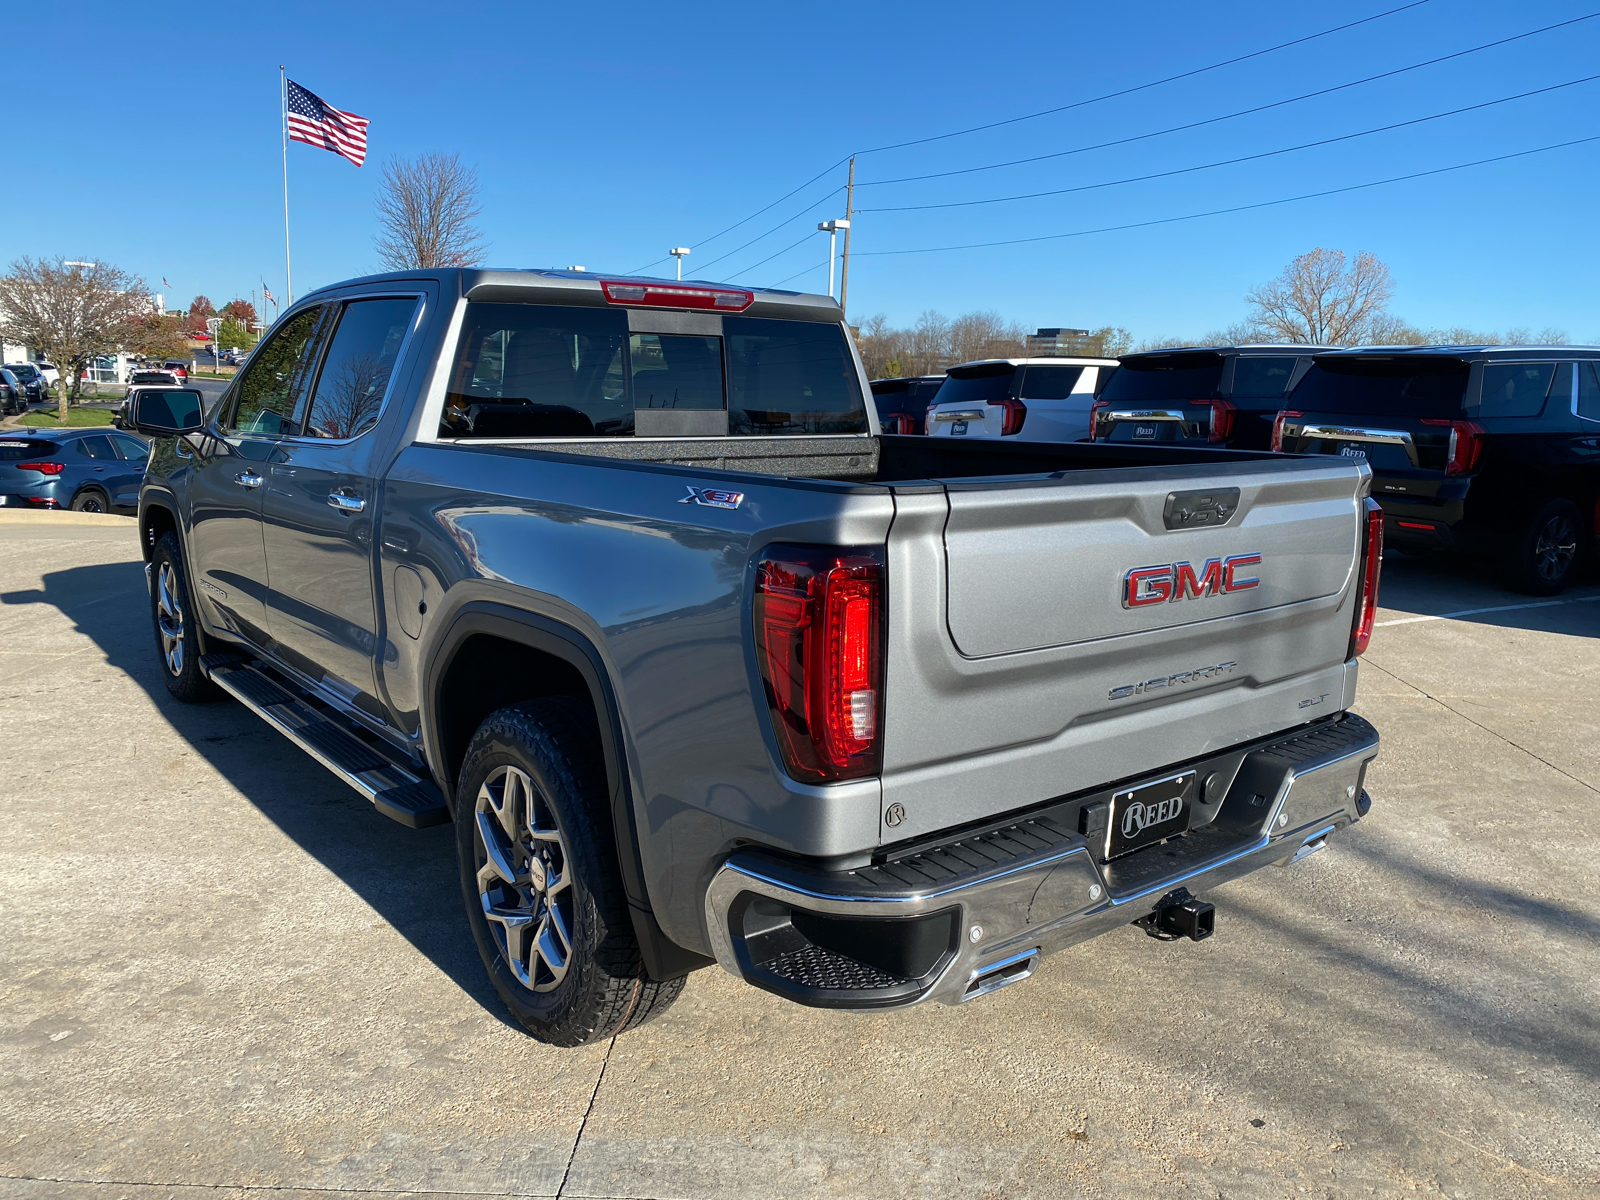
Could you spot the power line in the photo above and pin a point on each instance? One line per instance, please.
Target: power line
(779, 254)
(1063, 108)
(773, 230)
(1154, 83)
(1243, 112)
(1217, 212)
(797, 274)
(1228, 162)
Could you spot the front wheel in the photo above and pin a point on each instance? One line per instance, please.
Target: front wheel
(1544, 557)
(539, 875)
(172, 618)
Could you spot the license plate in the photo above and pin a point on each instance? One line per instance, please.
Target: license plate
(957, 428)
(1144, 433)
(1149, 813)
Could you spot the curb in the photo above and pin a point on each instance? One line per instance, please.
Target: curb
(67, 517)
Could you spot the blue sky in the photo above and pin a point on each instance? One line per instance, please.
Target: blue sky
(603, 134)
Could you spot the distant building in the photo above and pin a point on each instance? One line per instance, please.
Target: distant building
(1048, 343)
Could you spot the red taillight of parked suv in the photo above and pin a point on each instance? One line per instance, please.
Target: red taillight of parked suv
(1466, 445)
(1277, 428)
(819, 644)
(44, 468)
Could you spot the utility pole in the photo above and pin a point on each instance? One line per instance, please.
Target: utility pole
(849, 202)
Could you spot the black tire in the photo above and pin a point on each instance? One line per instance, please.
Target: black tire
(1543, 558)
(172, 619)
(92, 500)
(537, 767)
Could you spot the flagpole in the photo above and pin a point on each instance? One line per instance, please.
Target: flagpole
(283, 99)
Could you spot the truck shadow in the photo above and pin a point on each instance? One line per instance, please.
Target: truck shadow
(408, 876)
(1434, 584)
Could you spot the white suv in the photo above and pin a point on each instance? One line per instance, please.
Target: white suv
(1034, 399)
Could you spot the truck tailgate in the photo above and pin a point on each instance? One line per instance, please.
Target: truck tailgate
(1051, 635)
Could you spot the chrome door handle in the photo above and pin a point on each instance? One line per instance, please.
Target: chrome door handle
(346, 503)
(248, 479)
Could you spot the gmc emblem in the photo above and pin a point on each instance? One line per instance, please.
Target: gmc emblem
(1171, 582)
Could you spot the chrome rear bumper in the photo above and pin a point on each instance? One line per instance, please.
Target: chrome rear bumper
(978, 911)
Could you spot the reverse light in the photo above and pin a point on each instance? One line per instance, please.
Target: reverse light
(1221, 419)
(1016, 414)
(818, 621)
(44, 468)
(1371, 565)
(1466, 445)
(1277, 428)
(676, 295)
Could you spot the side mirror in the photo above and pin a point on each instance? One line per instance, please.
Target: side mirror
(166, 412)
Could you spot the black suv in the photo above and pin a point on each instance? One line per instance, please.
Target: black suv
(1484, 449)
(903, 403)
(1199, 396)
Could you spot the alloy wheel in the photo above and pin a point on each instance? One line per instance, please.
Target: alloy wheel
(169, 618)
(1556, 548)
(524, 881)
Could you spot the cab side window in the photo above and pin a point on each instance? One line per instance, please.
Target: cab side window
(355, 374)
(267, 397)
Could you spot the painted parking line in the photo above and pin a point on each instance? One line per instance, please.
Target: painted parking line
(1472, 612)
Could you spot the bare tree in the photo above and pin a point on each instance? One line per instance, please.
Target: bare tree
(426, 210)
(1322, 299)
(71, 313)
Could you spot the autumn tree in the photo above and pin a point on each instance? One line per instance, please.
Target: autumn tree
(155, 335)
(427, 207)
(241, 312)
(1323, 299)
(200, 309)
(71, 313)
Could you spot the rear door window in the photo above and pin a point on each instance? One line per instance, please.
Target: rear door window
(1515, 389)
(97, 446)
(1049, 383)
(1588, 392)
(355, 372)
(1261, 378)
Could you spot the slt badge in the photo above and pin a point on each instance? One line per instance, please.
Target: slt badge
(712, 498)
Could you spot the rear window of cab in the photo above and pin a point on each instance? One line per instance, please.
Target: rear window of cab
(542, 370)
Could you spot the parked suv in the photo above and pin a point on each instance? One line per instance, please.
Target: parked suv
(86, 470)
(1213, 395)
(903, 403)
(13, 394)
(31, 379)
(1035, 399)
(1487, 449)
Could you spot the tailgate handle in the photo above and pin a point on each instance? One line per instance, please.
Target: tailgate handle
(1199, 510)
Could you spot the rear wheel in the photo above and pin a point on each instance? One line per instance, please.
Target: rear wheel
(172, 619)
(539, 874)
(91, 500)
(1544, 557)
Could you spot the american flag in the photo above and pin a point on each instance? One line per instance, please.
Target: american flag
(319, 124)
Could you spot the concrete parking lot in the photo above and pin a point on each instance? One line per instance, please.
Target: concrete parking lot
(222, 973)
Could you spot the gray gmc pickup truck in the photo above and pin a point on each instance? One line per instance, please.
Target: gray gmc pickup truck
(620, 576)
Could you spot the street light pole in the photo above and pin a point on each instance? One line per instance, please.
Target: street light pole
(831, 228)
(679, 253)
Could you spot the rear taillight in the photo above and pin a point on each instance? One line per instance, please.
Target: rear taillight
(819, 644)
(1277, 428)
(1466, 445)
(1096, 410)
(1221, 420)
(44, 468)
(900, 423)
(1016, 414)
(1371, 565)
(670, 295)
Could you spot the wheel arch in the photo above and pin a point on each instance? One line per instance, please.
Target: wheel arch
(490, 654)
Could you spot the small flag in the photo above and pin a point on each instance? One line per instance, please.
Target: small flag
(164, 282)
(267, 292)
(318, 124)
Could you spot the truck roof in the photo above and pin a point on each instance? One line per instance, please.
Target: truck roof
(550, 285)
